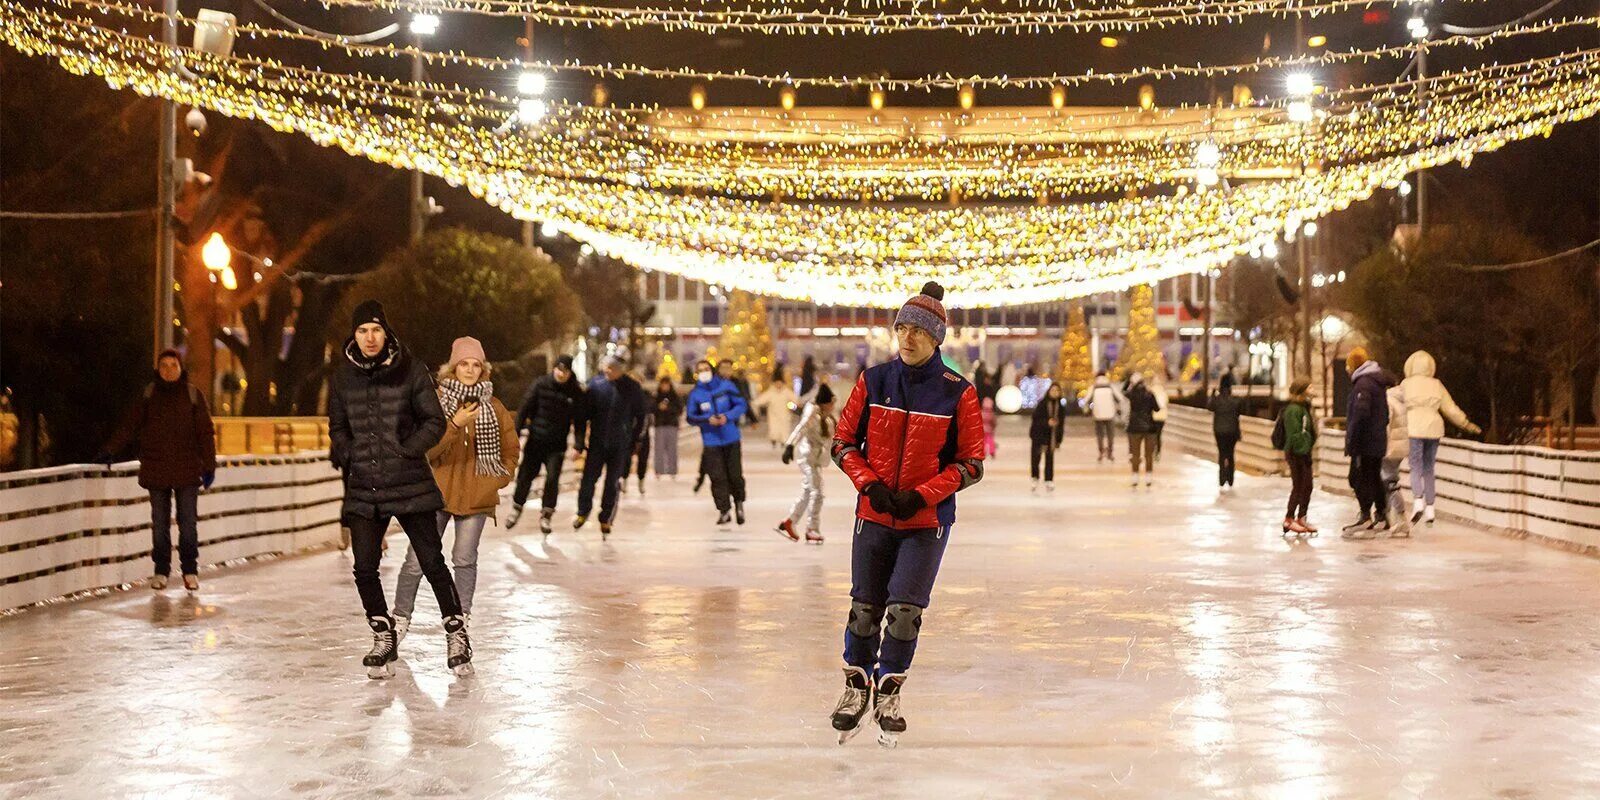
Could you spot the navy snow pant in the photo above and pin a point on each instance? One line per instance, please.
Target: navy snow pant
(891, 580)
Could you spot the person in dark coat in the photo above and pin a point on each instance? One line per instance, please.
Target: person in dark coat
(1366, 440)
(618, 411)
(667, 416)
(1225, 412)
(383, 417)
(1142, 406)
(177, 457)
(555, 403)
(1045, 434)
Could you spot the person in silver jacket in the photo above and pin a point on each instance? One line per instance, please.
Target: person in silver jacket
(810, 441)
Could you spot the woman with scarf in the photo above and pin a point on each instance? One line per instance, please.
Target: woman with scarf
(472, 463)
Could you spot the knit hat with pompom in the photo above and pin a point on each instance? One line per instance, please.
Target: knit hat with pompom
(926, 312)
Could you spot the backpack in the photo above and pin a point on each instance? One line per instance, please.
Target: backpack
(1280, 437)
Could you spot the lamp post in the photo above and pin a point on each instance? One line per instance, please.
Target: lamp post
(421, 25)
(166, 197)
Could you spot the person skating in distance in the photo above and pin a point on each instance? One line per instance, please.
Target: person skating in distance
(909, 437)
(809, 442)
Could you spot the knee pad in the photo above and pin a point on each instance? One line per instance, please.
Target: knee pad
(905, 620)
(864, 619)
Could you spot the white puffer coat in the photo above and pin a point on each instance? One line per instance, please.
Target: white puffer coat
(1399, 437)
(1428, 403)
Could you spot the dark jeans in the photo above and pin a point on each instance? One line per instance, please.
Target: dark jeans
(188, 529)
(1300, 485)
(1366, 478)
(641, 455)
(615, 465)
(725, 465)
(422, 528)
(1049, 453)
(1225, 445)
(889, 566)
(537, 455)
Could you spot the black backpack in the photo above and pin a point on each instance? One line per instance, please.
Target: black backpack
(1280, 438)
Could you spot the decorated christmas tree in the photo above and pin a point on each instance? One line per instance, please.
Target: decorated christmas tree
(668, 367)
(746, 339)
(1141, 351)
(1074, 366)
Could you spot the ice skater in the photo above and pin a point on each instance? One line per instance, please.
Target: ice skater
(1399, 447)
(1366, 440)
(618, 411)
(471, 463)
(1044, 433)
(1296, 435)
(1225, 412)
(555, 403)
(909, 437)
(1105, 405)
(1428, 405)
(666, 417)
(810, 442)
(1142, 406)
(715, 406)
(383, 418)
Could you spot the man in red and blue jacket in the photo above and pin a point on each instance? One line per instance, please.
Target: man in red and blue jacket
(909, 438)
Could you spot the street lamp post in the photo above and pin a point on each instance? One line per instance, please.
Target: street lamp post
(166, 199)
(421, 25)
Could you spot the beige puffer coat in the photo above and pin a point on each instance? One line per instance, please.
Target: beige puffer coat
(1399, 437)
(1428, 403)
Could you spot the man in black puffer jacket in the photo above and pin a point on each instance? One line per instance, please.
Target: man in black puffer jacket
(555, 403)
(383, 416)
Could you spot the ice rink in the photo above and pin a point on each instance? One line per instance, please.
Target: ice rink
(1099, 641)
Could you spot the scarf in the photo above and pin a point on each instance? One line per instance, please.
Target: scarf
(486, 431)
(385, 357)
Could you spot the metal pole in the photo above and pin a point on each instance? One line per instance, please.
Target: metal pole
(166, 201)
(1300, 243)
(418, 221)
(527, 56)
(1205, 340)
(1422, 175)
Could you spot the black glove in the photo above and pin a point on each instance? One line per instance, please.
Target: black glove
(206, 478)
(907, 503)
(788, 454)
(879, 497)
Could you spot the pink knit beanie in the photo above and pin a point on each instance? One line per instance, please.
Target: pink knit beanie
(467, 347)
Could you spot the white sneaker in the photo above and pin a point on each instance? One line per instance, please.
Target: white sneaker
(1035, 485)
(1427, 515)
(402, 624)
(1136, 481)
(1049, 486)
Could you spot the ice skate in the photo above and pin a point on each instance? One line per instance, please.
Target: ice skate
(724, 518)
(813, 537)
(512, 516)
(1417, 507)
(1427, 516)
(578, 521)
(458, 647)
(851, 712)
(191, 582)
(886, 710)
(605, 531)
(1035, 485)
(379, 661)
(1149, 481)
(786, 529)
(402, 626)
(1049, 487)
(738, 512)
(1311, 529)
(641, 484)
(545, 516)
(1379, 525)
(1359, 524)
(1401, 531)
(158, 582)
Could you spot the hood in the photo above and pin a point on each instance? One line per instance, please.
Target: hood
(1101, 380)
(1420, 365)
(1366, 368)
(163, 385)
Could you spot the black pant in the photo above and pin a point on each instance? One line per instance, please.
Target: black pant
(1300, 485)
(1366, 478)
(1225, 445)
(537, 455)
(1160, 426)
(641, 454)
(1049, 453)
(615, 465)
(188, 529)
(422, 528)
(725, 465)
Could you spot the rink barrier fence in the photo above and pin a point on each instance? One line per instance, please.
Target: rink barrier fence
(1189, 429)
(65, 531)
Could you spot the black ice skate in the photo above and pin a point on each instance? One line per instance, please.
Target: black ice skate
(738, 512)
(886, 710)
(851, 712)
(385, 649)
(457, 646)
(725, 517)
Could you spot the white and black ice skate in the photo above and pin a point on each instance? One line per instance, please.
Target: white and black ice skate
(513, 516)
(851, 713)
(886, 710)
(385, 649)
(545, 515)
(402, 625)
(457, 646)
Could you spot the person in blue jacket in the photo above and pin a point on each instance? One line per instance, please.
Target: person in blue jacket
(618, 411)
(715, 406)
(1366, 440)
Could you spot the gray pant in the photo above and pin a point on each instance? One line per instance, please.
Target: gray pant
(463, 557)
(1105, 435)
(666, 455)
(1391, 485)
(808, 507)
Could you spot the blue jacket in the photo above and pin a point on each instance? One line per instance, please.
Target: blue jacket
(706, 400)
(1366, 425)
(617, 413)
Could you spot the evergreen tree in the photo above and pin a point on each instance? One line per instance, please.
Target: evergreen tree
(746, 337)
(1141, 351)
(1075, 366)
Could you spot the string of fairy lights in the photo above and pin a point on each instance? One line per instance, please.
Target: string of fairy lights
(635, 184)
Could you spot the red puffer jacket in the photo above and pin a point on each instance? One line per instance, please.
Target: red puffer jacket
(912, 428)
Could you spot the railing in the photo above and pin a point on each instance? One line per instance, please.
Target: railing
(270, 435)
(66, 530)
(1190, 429)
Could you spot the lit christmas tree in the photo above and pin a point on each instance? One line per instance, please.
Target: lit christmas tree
(1074, 366)
(668, 367)
(1141, 352)
(746, 339)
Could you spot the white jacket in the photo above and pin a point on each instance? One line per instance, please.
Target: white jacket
(1105, 401)
(779, 402)
(1428, 403)
(1399, 439)
(812, 439)
(1159, 389)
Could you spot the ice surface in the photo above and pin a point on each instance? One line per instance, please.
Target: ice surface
(1101, 641)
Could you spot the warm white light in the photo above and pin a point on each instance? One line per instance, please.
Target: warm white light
(585, 249)
(215, 254)
(1270, 250)
(532, 83)
(548, 230)
(1207, 177)
(424, 24)
(1301, 84)
(1405, 188)
(1208, 154)
(1311, 229)
(229, 280)
(530, 111)
(1300, 111)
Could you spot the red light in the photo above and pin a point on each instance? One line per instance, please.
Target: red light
(1375, 16)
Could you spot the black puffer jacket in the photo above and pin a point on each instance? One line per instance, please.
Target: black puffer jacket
(382, 421)
(1142, 406)
(550, 408)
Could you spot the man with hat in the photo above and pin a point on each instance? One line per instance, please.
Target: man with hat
(554, 404)
(909, 438)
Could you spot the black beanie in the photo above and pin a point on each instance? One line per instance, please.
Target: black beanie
(368, 311)
(824, 395)
(564, 362)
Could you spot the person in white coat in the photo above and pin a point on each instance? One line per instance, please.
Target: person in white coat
(1428, 404)
(1105, 405)
(1399, 447)
(811, 442)
(1158, 387)
(778, 402)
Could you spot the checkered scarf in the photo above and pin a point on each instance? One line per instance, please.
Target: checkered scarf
(486, 431)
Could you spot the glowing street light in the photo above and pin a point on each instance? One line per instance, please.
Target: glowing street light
(1301, 84)
(424, 24)
(532, 83)
(216, 254)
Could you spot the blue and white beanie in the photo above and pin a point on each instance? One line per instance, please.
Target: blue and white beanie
(926, 312)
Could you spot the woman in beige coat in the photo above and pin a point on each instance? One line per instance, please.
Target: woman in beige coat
(779, 402)
(1428, 405)
(475, 460)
